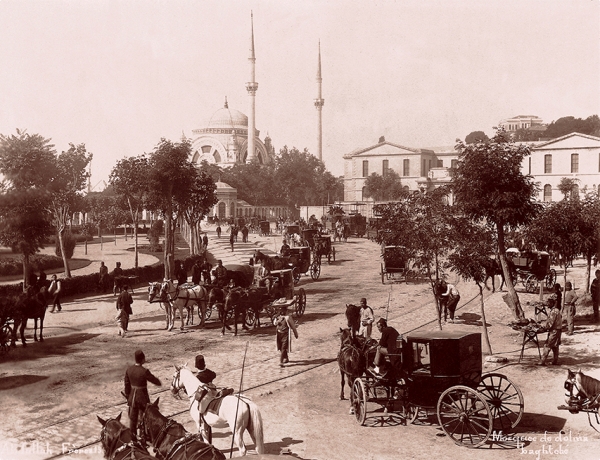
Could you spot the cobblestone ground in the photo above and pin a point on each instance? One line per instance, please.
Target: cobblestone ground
(55, 389)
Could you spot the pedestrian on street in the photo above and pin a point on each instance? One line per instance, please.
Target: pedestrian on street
(55, 291)
(595, 290)
(218, 231)
(244, 234)
(231, 238)
(205, 241)
(366, 319)
(124, 302)
(553, 326)
(284, 325)
(103, 277)
(449, 299)
(136, 389)
(569, 310)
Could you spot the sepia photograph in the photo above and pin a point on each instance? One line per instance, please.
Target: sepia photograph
(321, 229)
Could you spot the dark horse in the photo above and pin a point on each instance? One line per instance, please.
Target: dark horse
(271, 263)
(171, 441)
(354, 356)
(30, 305)
(237, 302)
(493, 269)
(353, 318)
(118, 442)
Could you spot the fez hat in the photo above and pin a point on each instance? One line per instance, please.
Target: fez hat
(140, 358)
(382, 321)
(363, 300)
(200, 364)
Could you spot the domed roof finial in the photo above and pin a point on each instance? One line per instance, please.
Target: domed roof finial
(226, 104)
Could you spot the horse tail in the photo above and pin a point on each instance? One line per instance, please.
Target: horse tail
(255, 426)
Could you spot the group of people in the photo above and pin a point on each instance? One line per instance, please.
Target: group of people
(104, 278)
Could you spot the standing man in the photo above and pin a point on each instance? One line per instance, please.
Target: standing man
(231, 237)
(117, 274)
(553, 326)
(220, 274)
(124, 302)
(205, 241)
(54, 290)
(569, 306)
(284, 325)
(244, 234)
(205, 269)
(366, 319)
(196, 272)
(181, 274)
(218, 229)
(285, 249)
(387, 343)
(450, 300)
(103, 274)
(595, 290)
(136, 389)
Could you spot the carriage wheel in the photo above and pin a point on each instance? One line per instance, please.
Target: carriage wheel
(410, 412)
(6, 337)
(300, 302)
(250, 319)
(504, 398)
(359, 401)
(531, 284)
(315, 270)
(550, 278)
(465, 416)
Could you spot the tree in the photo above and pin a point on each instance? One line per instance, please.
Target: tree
(65, 187)
(569, 188)
(568, 125)
(169, 181)
(128, 179)
(197, 204)
(489, 186)
(384, 188)
(27, 164)
(476, 136)
(422, 223)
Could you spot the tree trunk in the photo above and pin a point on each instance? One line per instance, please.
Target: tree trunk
(169, 255)
(588, 272)
(486, 336)
(517, 311)
(26, 269)
(135, 243)
(63, 254)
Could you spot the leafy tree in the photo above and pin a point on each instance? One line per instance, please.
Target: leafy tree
(476, 136)
(384, 188)
(490, 187)
(421, 222)
(97, 205)
(66, 185)
(528, 135)
(569, 188)
(568, 125)
(472, 244)
(170, 181)
(197, 204)
(128, 179)
(27, 164)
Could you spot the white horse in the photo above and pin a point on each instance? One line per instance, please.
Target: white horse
(236, 411)
(155, 295)
(185, 297)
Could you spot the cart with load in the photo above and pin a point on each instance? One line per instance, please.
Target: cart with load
(530, 268)
(439, 372)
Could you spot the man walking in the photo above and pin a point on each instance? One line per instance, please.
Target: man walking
(55, 290)
(595, 290)
(366, 319)
(284, 325)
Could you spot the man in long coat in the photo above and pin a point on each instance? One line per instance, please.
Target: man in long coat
(553, 326)
(136, 388)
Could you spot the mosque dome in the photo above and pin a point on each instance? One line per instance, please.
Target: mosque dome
(228, 118)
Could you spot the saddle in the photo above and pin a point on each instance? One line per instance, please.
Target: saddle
(212, 403)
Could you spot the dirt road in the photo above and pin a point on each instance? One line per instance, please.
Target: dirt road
(50, 392)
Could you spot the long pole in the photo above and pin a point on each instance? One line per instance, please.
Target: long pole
(238, 402)
(388, 304)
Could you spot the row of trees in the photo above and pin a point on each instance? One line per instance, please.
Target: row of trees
(491, 199)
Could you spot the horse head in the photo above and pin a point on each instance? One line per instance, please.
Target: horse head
(151, 421)
(153, 291)
(184, 379)
(114, 434)
(353, 317)
(346, 338)
(580, 387)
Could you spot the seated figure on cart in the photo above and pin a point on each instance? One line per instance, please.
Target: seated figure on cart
(262, 276)
(387, 347)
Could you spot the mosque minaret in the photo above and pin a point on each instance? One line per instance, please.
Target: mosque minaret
(319, 103)
(251, 87)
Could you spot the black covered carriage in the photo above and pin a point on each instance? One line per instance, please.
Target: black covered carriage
(300, 262)
(530, 268)
(394, 263)
(265, 228)
(324, 247)
(441, 372)
(308, 236)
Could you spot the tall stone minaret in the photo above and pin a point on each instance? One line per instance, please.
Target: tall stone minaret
(319, 103)
(251, 87)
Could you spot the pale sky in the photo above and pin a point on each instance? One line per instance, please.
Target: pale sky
(119, 75)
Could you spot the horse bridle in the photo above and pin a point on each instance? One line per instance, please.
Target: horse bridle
(132, 444)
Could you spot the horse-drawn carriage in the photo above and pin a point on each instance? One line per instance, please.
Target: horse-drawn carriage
(530, 268)
(322, 246)
(440, 372)
(302, 262)
(265, 228)
(394, 263)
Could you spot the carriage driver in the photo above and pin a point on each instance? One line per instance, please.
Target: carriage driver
(206, 392)
(220, 274)
(262, 276)
(387, 344)
(285, 249)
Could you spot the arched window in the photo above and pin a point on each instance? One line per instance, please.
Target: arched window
(217, 157)
(222, 210)
(547, 193)
(231, 209)
(362, 192)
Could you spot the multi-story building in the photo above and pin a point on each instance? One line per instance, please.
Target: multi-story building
(530, 122)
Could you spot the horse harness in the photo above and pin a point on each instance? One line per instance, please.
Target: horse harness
(182, 442)
(589, 401)
(133, 445)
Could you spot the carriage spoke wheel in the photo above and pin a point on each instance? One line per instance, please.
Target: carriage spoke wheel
(296, 275)
(531, 284)
(550, 278)
(300, 302)
(465, 416)
(250, 319)
(315, 270)
(359, 401)
(504, 398)
(5, 336)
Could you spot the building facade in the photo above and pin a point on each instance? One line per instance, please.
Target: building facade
(530, 122)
